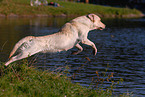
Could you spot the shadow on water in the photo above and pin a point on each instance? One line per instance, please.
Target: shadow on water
(121, 46)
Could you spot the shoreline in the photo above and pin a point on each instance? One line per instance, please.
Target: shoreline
(68, 9)
(12, 15)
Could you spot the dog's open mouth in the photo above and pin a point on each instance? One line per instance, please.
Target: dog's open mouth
(100, 28)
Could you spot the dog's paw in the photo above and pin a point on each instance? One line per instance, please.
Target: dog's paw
(74, 53)
(94, 52)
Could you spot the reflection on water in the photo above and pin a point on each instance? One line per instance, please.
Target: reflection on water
(121, 46)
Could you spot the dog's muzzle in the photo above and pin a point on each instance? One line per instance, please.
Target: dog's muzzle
(102, 27)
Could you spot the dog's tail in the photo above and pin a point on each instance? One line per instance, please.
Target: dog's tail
(19, 43)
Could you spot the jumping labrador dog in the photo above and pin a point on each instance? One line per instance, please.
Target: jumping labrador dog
(70, 35)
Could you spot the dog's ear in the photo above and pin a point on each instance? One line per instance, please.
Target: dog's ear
(91, 17)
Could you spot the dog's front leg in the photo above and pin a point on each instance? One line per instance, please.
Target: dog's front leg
(90, 43)
(80, 49)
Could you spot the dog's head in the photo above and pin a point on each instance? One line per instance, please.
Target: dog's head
(97, 24)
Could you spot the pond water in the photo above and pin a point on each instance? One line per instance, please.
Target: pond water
(121, 52)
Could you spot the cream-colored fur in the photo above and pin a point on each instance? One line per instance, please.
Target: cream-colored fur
(70, 35)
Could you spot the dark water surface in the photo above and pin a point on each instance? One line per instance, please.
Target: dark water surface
(121, 51)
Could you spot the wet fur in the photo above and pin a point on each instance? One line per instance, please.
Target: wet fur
(70, 35)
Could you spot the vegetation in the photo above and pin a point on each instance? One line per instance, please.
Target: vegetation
(23, 8)
(27, 81)
(21, 80)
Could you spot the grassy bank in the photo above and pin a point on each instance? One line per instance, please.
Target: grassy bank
(23, 81)
(22, 8)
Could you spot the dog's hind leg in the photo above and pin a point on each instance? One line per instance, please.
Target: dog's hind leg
(21, 56)
(17, 57)
(11, 60)
(80, 49)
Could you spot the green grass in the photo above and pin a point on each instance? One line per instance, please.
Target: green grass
(26, 81)
(23, 81)
(22, 7)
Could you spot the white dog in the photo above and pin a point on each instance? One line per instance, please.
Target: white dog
(70, 35)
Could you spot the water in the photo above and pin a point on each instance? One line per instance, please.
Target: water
(121, 51)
